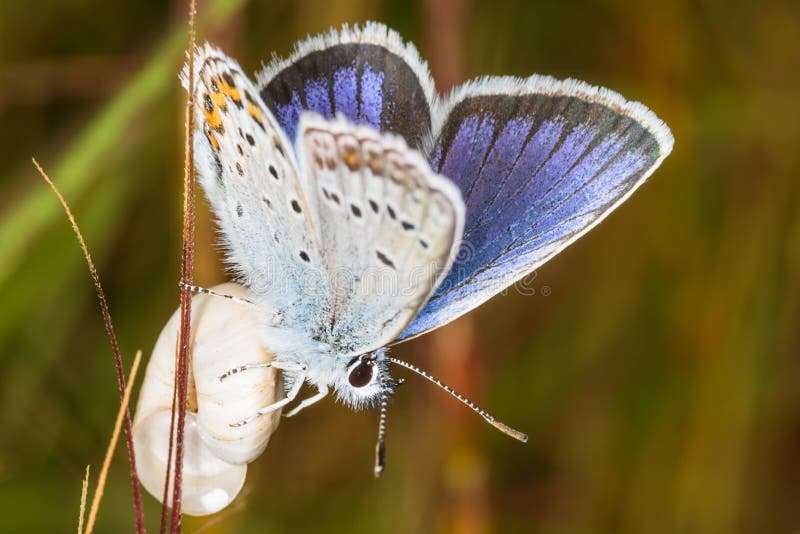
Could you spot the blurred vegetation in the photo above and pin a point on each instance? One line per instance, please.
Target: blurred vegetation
(656, 370)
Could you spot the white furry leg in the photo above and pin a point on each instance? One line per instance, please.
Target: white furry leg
(305, 403)
(283, 366)
(298, 383)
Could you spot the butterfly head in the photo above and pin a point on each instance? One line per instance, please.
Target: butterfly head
(364, 379)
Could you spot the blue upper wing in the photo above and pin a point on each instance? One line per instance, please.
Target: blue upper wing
(366, 74)
(539, 163)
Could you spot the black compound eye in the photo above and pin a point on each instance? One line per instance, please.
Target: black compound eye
(361, 375)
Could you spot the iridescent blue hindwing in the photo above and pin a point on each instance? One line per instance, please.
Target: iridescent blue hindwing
(366, 74)
(539, 163)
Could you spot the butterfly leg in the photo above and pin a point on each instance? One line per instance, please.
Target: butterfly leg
(305, 403)
(205, 291)
(277, 318)
(298, 383)
(242, 368)
(283, 366)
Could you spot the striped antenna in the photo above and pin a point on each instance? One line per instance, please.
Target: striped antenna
(505, 429)
(380, 447)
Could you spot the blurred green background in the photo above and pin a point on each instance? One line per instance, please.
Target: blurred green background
(656, 369)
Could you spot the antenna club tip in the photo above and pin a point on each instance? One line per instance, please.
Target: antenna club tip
(507, 430)
(380, 459)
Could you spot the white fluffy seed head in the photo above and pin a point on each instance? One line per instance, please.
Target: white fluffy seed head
(224, 336)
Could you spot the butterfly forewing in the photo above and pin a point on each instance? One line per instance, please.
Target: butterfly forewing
(366, 74)
(247, 168)
(539, 163)
(388, 225)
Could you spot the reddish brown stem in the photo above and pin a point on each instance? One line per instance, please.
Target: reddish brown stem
(101, 297)
(187, 268)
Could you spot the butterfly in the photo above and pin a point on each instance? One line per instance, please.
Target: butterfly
(361, 209)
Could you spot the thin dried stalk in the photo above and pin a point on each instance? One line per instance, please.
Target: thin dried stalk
(101, 297)
(101, 480)
(84, 492)
(187, 269)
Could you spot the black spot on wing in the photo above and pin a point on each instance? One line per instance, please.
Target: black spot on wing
(217, 163)
(276, 142)
(384, 259)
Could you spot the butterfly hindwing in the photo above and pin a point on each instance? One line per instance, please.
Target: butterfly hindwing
(539, 163)
(389, 227)
(366, 74)
(248, 170)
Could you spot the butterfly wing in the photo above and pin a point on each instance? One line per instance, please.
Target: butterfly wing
(389, 227)
(366, 74)
(248, 170)
(539, 162)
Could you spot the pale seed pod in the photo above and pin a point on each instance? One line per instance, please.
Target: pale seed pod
(224, 336)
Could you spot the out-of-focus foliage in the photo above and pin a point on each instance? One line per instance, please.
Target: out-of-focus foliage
(656, 368)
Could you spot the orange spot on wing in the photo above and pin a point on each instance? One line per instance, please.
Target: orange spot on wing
(351, 160)
(214, 118)
(230, 91)
(255, 112)
(219, 100)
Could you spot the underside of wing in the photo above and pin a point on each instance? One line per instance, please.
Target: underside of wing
(389, 228)
(539, 163)
(248, 171)
(366, 74)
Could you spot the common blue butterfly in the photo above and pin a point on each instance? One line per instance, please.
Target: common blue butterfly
(361, 209)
